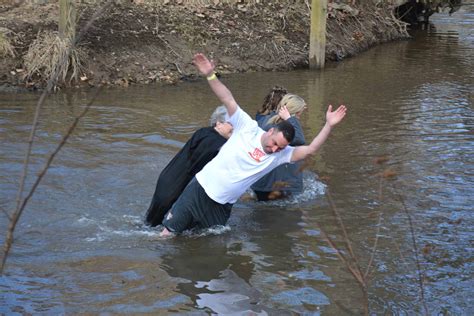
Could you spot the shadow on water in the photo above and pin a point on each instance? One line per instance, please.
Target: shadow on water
(81, 246)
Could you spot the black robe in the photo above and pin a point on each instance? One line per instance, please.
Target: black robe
(196, 153)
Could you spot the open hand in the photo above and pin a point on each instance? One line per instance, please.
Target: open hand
(204, 65)
(284, 113)
(334, 117)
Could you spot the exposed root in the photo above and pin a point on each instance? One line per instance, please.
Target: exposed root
(352, 30)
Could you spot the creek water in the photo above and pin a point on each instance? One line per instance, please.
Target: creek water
(406, 146)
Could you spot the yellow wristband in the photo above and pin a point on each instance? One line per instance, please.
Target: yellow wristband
(212, 77)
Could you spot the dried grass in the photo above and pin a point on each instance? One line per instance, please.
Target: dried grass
(194, 2)
(204, 3)
(50, 55)
(6, 46)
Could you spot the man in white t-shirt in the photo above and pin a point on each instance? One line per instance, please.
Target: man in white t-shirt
(248, 155)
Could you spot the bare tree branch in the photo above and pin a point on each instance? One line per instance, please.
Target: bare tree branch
(20, 204)
(4, 211)
(380, 188)
(49, 87)
(374, 248)
(343, 227)
(16, 215)
(341, 256)
(415, 249)
(355, 271)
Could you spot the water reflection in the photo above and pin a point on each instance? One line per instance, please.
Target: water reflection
(217, 277)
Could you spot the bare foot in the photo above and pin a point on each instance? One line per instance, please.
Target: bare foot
(166, 233)
(246, 197)
(275, 195)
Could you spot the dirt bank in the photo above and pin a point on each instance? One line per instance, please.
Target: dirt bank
(141, 43)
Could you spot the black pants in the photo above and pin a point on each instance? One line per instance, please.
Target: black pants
(195, 209)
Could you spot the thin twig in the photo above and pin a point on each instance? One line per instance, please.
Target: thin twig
(343, 227)
(49, 87)
(400, 252)
(26, 161)
(374, 248)
(406, 12)
(415, 248)
(169, 46)
(4, 211)
(380, 187)
(341, 256)
(355, 271)
(179, 69)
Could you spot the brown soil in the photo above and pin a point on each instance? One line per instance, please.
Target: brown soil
(138, 43)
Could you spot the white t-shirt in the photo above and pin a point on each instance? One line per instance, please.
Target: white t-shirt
(240, 162)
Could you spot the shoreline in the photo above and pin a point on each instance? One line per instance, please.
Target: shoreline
(147, 44)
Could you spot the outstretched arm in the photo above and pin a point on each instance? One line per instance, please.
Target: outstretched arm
(206, 67)
(332, 118)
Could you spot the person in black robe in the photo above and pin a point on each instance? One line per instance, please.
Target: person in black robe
(201, 148)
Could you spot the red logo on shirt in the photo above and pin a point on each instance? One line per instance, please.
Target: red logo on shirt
(257, 154)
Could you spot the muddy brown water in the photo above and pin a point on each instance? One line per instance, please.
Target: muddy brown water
(81, 246)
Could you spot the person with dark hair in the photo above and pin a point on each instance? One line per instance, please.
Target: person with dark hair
(196, 153)
(271, 101)
(287, 178)
(249, 154)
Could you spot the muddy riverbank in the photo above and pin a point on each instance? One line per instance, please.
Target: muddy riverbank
(140, 43)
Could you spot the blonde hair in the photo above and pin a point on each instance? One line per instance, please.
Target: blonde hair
(294, 104)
